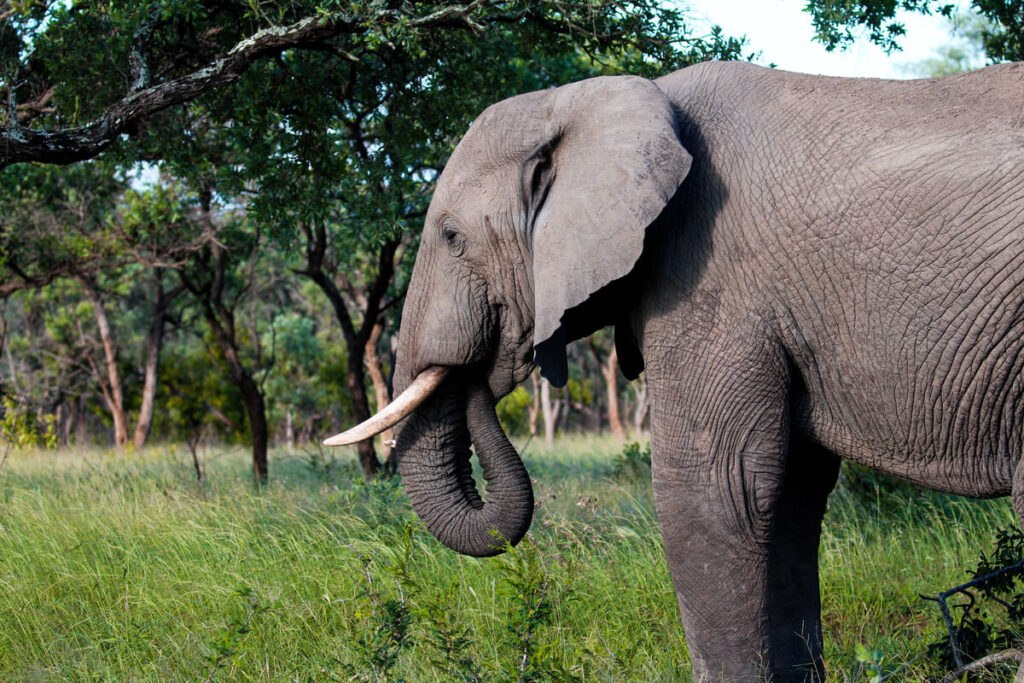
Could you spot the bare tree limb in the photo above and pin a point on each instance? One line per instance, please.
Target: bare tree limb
(989, 660)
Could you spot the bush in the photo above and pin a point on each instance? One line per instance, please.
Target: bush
(991, 619)
(633, 463)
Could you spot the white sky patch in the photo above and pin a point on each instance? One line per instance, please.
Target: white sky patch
(783, 33)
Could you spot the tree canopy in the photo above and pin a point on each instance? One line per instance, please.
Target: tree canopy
(240, 172)
(838, 22)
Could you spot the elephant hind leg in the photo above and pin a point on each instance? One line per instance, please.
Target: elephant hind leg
(1018, 506)
(793, 593)
(1018, 491)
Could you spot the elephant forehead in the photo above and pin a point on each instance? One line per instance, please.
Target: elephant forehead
(500, 138)
(474, 182)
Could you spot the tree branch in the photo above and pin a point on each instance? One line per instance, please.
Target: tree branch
(64, 146)
(20, 144)
(995, 658)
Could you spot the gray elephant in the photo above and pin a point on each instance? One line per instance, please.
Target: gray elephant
(807, 269)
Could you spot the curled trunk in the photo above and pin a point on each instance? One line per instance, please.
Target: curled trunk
(434, 444)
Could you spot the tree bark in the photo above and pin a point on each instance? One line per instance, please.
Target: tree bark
(534, 409)
(221, 320)
(112, 388)
(289, 429)
(380, 389)
(356, 383)
(252, 395)
(549, 410)
(68, 145)
(154, 342)
(355, 339)
(610, 370)
(640, 415)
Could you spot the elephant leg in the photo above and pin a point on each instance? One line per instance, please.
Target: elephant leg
(720, 444)
(1018, 493)
(794, 605)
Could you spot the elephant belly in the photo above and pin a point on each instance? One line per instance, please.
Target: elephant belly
(945, 414)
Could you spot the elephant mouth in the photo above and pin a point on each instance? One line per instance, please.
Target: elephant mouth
(419, 391)
(434, 446)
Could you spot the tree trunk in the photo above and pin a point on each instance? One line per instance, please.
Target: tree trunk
(610, 370)
(550, 412)
(380, 389)
(252, 396)
(257, 412)
(112, 390)
(81, 422)
(13, 370)
(640, 415)
(534, 409)
(154, 342)
(355, 340)
(221, 320)
(356, 382)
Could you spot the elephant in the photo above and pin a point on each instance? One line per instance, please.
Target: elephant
(807, 268)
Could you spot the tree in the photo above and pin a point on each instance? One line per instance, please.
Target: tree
(85, 225)
(837, 23)
(326, 123)
(221, 278)
(963, 52)
(54, 70)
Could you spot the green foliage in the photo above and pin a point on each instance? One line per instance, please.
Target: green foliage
(349, 133)
(514, 411)
(964, 50)
(533, 595)
(872, 663)
(123, 569)
(633, 463)
(56, 220)
(228, 646)
(195, 401)
(24, 427)
(992, 619)
(381, 632)
(448, 636)
(873, 492)
(837, 23)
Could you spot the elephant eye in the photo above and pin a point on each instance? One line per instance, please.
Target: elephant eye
(456, 242)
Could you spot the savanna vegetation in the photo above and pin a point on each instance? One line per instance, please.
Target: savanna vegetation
(120, 567)
(209, 216)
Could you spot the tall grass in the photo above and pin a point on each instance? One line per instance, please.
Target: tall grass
(127, 568)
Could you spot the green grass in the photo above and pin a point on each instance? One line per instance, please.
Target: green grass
(125, 568)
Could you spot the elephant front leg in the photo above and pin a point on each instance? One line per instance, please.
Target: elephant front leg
(740, 529)
(720, 571)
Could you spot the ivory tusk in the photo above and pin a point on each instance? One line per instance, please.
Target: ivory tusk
(417, 392)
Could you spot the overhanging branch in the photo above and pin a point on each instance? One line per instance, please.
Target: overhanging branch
(20, 144)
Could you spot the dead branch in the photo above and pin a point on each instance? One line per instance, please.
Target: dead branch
(987, 661)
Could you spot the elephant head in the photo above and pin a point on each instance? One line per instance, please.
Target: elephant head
(543, 203)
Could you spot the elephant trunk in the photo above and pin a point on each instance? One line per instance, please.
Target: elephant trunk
(436, 471)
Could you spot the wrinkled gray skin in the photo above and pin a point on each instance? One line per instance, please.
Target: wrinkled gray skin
(808, 268)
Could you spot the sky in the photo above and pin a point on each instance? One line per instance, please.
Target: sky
(782, 32)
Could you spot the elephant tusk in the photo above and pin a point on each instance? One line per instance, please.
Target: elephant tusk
(417, 392)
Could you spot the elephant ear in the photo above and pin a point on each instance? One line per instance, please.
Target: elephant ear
(611, 163)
